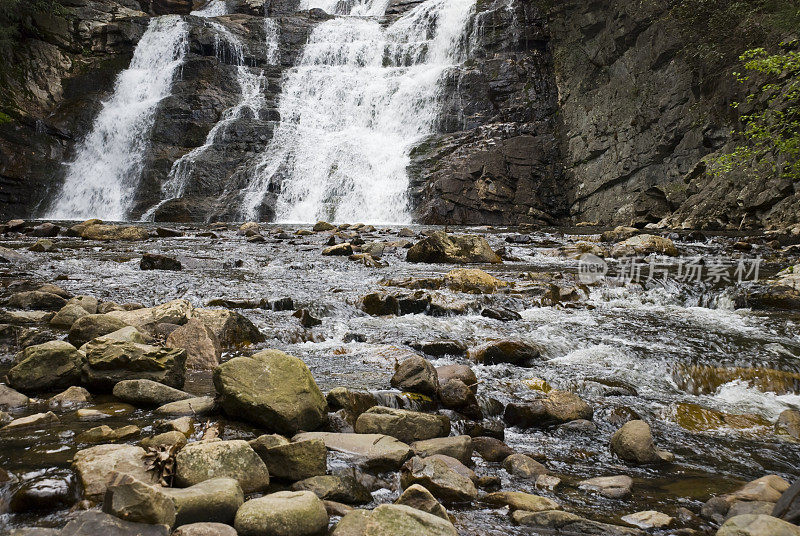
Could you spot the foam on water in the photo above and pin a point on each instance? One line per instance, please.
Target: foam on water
(739, 397)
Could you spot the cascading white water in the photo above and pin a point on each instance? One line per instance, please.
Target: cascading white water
(102, 179)
(252, 99)
(358, 101)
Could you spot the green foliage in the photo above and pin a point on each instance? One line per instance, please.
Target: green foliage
(770, 137)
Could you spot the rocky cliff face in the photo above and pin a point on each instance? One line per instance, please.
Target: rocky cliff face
(564, 110)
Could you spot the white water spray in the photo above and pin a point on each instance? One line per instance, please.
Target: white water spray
(358, 101)
(102, 179)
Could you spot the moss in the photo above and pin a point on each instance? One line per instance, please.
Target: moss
(4, 118)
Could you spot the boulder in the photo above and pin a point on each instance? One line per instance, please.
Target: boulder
(68, 315)
(464, 373)
(73, 396)
(133, 500)
(788, 506)
(416, 375)
(93, 523)
(512, 352)
(96, 465)
(250, 228)
(491, 449)
(757, 525)
(517, 500)
(645, 244)
(524, 466)
(405, 425)
(369, 451)
(199, 406)
(473, 281)
(109, 362)
(789, 422)
(36, 300)
(456, 395)
(420, 498)
(556, 408)
(126, 334)
(394, 520)
(439, 247)
(214, 500)
(613, 487)
(619, 233)
(88, 327)
(11, 399)
(294, 461)
(439, 478)
(45, 229)
(353, 402)
(147, 393)
(273, 390)
(231, 328)
(152, 261)
(87, 303)
(458, 447)
(286, 513)
(342, 489)
(48, 366)
(103, 232)
(380, 304)
(235, 459)
(634, 443)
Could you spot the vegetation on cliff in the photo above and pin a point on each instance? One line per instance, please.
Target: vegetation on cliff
(769, 141)
(16, 20)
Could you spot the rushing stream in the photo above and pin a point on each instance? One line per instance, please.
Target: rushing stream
(645, 339)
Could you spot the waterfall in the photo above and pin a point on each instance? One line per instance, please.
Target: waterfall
(361, 97)
(102, 179)
(252, 100)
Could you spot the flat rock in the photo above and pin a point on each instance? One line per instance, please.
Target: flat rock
(294, 461)
(439, 478)
(757, 525)
(145, 392)
(614, 487)
(370, 451)
(458, 447)
(93, 523)
(517, 500)
(197, 406)
(405, 425)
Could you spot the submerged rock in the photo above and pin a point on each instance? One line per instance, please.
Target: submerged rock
(614, 487)
(273, 390)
